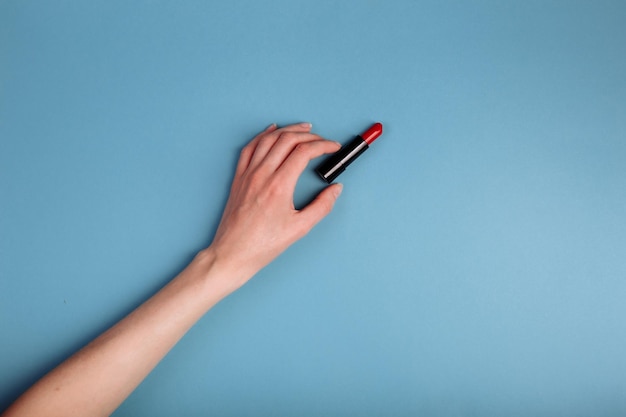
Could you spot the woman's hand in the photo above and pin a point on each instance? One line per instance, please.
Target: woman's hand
(260, 220)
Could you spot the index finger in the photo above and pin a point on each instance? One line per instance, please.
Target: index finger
(302, 154)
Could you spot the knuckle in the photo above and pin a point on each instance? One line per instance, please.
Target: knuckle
(302, 148)
(273, 191)
(326, 207)
(275, 187)
(256, 179)
(288, 137)
(245, 151)
(264, 141)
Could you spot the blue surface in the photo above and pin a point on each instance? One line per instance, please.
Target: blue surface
(474, 265)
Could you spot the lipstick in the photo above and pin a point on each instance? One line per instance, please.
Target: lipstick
(339, 161)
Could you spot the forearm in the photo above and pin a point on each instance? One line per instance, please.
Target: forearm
(100, 376)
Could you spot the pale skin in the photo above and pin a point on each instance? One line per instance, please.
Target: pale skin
(258, 224)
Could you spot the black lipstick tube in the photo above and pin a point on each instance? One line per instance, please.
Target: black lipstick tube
(339, 161)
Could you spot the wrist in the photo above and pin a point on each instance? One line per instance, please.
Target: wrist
(219, 273)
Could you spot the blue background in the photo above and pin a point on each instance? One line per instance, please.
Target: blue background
(474, 265)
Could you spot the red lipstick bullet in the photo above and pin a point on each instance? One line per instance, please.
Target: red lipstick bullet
(339, 161)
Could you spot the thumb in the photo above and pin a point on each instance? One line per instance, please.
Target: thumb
(321, 206)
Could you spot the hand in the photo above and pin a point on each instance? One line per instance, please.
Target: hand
(260, 220)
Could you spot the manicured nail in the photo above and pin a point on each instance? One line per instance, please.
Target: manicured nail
(309, 125)
(270, 126)
(338, 189)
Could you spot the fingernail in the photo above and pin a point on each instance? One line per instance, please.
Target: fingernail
(309, 125)
(270, 126)
(338, 144)
(338, 189)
